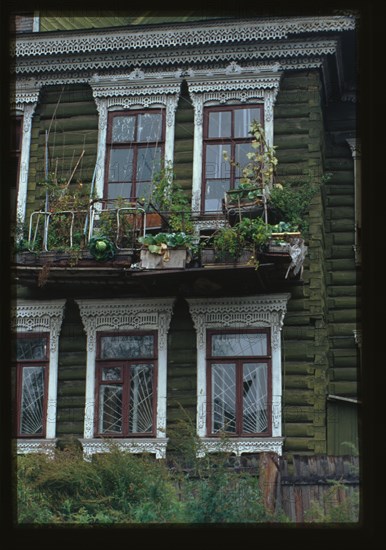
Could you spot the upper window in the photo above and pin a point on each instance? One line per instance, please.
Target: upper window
(238, 381)
(226, 130)
(135, 144)
(31, 384)
(126, 379)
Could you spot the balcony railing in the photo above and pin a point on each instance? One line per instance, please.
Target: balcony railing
(122, 221)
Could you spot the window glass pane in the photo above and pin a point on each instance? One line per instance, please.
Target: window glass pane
(127, 347)
(241, 151)
(121, 165)
(214, 194)
(32, 395)
(149, 127)
(114, 373)
(243, 120)
(215, 165)
(115, 190)
(143, 190)
(141, 399)
(255, 388)
(110, 409)
(31, 348)
(224, 398)
(148, 163)
(220, 124)
(123, 128)
(239, 344)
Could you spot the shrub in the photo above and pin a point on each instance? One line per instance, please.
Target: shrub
(115, 487)
(224, 497)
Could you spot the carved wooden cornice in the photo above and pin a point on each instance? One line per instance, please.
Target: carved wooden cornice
(177, 35)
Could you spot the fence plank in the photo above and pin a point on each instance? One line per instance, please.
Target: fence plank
(311, 482)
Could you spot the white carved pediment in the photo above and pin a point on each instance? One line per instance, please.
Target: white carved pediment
(37, 317)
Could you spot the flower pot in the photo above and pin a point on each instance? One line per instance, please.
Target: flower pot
(172, 258)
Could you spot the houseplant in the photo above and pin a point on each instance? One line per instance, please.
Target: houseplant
(165, 250)
(256, 181)
(237, 244)
(169, 202)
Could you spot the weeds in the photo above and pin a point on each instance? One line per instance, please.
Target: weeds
(122, 488)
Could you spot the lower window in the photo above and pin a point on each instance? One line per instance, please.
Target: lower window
(238, 379)
(126, 382)
(31, 385)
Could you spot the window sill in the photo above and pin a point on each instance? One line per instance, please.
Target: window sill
(43, 446)
(143, 445)
(241, 445)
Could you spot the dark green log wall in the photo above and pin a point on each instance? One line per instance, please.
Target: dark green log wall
(72, 374)
(343, 283)
(319, 354)
(70, 117)
(298, 128)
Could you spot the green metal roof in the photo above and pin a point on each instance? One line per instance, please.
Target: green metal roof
(55, 20)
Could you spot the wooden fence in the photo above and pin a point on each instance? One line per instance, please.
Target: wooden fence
(311, 487)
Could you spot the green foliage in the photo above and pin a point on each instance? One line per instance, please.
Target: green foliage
(337, 506)
(293, 201)
(32, 505)
(117, 223)
(116, 487)
(262, 161)
(244, 192)
(101, 248)
(246, 234)
(224, 497)
(169, 197)
(157, 244)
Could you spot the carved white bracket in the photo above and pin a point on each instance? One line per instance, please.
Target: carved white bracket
(126, 314)
(230, 85)
(41, 446)
(152, 446)
(264, 310)
(240, 446)
(42, 316)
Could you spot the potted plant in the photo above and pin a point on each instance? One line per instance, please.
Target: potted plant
(250, 198)
(165, 250)
(239, 244)
(168, 206)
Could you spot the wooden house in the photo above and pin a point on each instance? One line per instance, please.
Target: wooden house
(111, 348)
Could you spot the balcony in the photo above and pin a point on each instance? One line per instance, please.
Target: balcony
(124, 242)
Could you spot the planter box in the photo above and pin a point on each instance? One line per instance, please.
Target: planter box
(66, 259)
(280, 242)
(174, 258)
(234, 212)
(210, 258)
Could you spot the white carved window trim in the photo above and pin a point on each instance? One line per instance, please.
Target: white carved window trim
(35, 317)
(259, 311)
(139, 91)
(24, 105)
(233, 85)
(124, 315)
